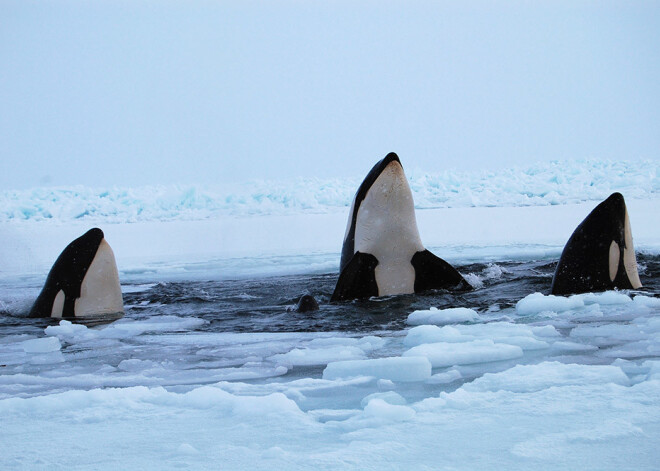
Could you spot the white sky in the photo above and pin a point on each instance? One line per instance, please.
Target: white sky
(131, 92)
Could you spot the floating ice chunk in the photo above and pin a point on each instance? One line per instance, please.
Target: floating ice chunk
(537, 303)
(503, 332)
(385, 384)
(478, 351)
(208, 397)
(43, 345)
(496, 329)
(125, 328)
(606, 299)
(615, 332)
(646, 301)
(573, 347)
(380, 409)
(546, 331)
(445, 378)
(530, 378)
(318, 356)
(119, 402)
(390, 397)
(371, 343)
(299, 388)
(431, 334)
(392, 368)
(499, 332)
(523, 341)
(67, 330)
(247, 372)
(443, 316)
(157, 324)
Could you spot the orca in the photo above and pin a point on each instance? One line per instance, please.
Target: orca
(83, 282)
(599, 256)
(383, 254)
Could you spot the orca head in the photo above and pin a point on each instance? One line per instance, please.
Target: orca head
(83, 282)
(382, 210)
(600, 254)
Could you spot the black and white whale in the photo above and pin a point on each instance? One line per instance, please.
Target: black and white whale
(83, 283)
(600, 255)
(383, 253)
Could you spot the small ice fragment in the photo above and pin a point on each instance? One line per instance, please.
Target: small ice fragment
(390, 397)
(378, 408)
(392, 368)
(385, 384)
(477, 351)
(443, 316)
(446, 377)
(536, 303)
(43, 345)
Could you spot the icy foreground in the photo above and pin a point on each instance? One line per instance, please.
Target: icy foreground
(551, 384)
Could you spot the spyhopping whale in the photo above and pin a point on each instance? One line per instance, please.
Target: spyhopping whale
(382, 252)
(83, 282)
(599, 255)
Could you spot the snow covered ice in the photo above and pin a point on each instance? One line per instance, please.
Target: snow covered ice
(543, 184)
(211, 369)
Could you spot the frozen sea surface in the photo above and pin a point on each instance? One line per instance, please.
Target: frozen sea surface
(542, 184)
(224, 374)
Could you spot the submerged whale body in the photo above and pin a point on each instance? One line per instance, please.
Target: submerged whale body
(83, 282)
(600, 255)
(382, 253)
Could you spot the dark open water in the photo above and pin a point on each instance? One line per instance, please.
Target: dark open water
(267, 304)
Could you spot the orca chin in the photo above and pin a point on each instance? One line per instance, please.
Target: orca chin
(600, 255)
(83, 282)
(382, 253)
